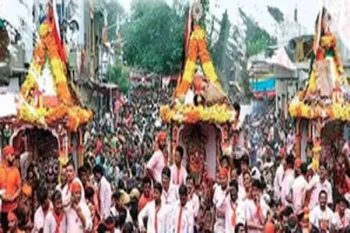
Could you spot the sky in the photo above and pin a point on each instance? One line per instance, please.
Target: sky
(307, 12)
(125, 4)
(307, 8)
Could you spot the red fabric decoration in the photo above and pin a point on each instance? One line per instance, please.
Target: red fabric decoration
(8, 150)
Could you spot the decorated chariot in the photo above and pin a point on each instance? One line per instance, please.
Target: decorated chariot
(322, 109)
(46, 124)
(200, 117)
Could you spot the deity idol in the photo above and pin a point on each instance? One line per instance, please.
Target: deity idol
(327, 69)
(195, 139)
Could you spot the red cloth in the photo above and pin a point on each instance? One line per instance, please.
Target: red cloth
(259, 213)
(99, 146)
(144, 200)
(233, 217)
(223, 172)
(75, 187)
(269, 227)
(11, 217)
(179, 221)
(8, 150)
(58, 219)
(58, 41)
(161, 136)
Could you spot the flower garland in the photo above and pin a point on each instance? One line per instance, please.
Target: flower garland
(334, 111)
(191, 114)
(74, 115)
(197, 48)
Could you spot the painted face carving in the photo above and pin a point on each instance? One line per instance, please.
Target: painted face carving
(196, 165)
(51, 169)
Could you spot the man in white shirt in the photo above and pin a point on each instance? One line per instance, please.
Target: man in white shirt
(278, 179)
(193, 198)
(318, 183)
(70, 179)
(157, 212)
(232, 208)
(78, 213)
(41, 213)
(104, 192)
(244, 164)
(183, 218)
(219, 194)
(170, 192)
(178, 171)
(342, 216)
(255, 209)
(158, 160)
(287, 181)
(299, 187)
(322, 217)
(56, 219)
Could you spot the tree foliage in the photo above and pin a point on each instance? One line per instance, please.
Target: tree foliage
(153, 38)
(257, 39)
(220, 46)
(276, 13)
(221, 56)
(119, 75)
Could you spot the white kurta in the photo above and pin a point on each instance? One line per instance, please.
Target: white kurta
(195, 203)
(316, 185)
(105, 195)
(317, 217)
(286, 186)
(298, 193)
(186, 219)
(219, 195)
(162, 215)
(242, 194)
(278, 181)
(156, 163)
(342, 222)
(229, 208)
(39, 219)
(50, 224)
(251, 213)
(178, 175)
(74, 224)
(66, 192)
(171, 197)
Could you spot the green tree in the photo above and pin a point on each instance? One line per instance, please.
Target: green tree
(257, 39)
(153, 38)
(220, 47)
(119, 75)
(220, 52)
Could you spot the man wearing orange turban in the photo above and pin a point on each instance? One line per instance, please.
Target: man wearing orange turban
(232, 207)
(159, 158)
(70, 179)
(161, 137)
(10, 183)
(78, 213)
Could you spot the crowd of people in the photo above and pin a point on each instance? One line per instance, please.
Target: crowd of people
(127, 183)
